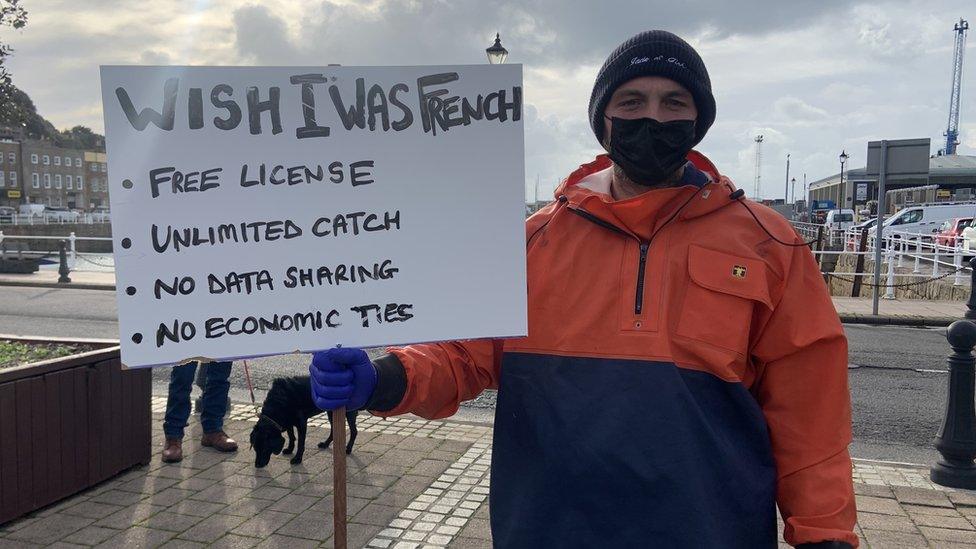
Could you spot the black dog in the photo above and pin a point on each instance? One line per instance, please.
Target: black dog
(288, 407)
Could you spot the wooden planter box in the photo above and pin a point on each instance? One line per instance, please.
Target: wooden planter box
(67, 424)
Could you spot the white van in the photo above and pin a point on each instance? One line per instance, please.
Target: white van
(926, 219)
(839, 220)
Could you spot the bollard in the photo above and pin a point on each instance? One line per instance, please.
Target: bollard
(957, 262)
(918, 255)
(890, 284)
(956, 441)
(71, 250)
(935, 262)
(63, 268)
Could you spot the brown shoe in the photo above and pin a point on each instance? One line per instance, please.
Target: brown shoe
(219, 441)
(173, 451)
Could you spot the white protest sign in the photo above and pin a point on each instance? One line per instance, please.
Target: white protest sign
(267, 210)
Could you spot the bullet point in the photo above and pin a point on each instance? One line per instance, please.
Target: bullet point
(127, 184)
(131, 290)
(126, 243)
(137, 338)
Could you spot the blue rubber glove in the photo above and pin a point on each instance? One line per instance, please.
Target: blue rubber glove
(342, 377)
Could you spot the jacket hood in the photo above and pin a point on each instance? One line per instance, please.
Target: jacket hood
(642, 215)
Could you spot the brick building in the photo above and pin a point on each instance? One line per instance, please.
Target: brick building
(38, 172)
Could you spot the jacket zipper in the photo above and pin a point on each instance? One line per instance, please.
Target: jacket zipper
(642, 258)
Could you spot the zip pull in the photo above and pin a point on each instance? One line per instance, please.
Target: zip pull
(639, 298)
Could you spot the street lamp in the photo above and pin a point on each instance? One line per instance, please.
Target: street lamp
(496, 53)
(843, 160)
(793, 187)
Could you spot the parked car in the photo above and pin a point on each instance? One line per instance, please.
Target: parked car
(926, 218)
(950, 232)
(32, 210)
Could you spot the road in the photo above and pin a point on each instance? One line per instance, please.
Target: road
(897, 375)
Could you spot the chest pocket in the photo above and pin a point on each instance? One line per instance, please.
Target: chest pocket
(721, 296)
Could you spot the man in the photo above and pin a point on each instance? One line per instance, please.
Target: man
(684, 370)
(213, 407)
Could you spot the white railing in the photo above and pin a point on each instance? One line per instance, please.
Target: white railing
(71, 247)
(55, 218)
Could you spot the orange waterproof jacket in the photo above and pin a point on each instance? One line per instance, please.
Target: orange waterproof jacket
(683, 374)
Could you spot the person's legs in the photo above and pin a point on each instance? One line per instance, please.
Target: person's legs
(201, 382)
(178, 401)
(214, 404)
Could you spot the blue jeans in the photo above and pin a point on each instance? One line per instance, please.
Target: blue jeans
(213, 403)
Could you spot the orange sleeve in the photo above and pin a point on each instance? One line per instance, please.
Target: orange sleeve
(440, 376)
(801, 353)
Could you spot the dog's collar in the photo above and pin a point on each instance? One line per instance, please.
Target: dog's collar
(273, 422)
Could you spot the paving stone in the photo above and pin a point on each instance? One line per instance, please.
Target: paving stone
(477, 528)
(147, 484)
(309, 525)
(195, 484)
(212, 528)
(233, 541)
(921, 496)
(411, 484)
(181, 544)
(421, 444)
(293, 503)
(313, 489)
(926, 510)
(129, 516)
(377, 515)
(873, 490)
(264, 524)
(174, 522)
(950, 545)
(12, 544)
(369, 479)
(192, 507)
(219, 493)
(883, 506)
(430, 467)
(358, 534)
(221, 470)
(364, 490)
(894, 540)
(273, 493)
(246, 507)
(92, 509)
(169, 496)
(470, 543)
(891, 523)
(396, 499)
(117, 497)
(90, 535)
(966, 498)
(50, 529)
(276, 541)
(245, 481)
(137, 537)
(55, 545)
(938, 521)
(945, 534)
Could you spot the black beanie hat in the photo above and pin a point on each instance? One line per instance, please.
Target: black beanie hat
(654, 53)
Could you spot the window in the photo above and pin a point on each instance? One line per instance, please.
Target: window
(70, 183)
(57, 181)
(47, 160)
(77, 162)
(1, 158)
(67, 161)
(104, 168)
(33, 159)
(47, 181)
(2, 183)
(93, 166)
(57, 160)
(12, 158)
(13, 179)
(35, 181)
(81, 183)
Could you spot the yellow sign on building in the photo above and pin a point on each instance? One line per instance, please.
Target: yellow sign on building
(13, 194)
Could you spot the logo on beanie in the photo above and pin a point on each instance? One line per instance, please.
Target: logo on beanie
(672, 60)
(639, 60)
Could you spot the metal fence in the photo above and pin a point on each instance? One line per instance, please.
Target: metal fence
(73, 255)
(55, 218)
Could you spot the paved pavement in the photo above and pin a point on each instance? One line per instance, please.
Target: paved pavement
(412, 484)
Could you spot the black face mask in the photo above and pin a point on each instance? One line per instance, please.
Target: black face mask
(649, 151)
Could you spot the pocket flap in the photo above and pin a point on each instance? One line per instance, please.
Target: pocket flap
(729, 274)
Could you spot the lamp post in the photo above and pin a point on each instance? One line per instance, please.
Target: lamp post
(843, 160)
(793, 193)
(786, 192)
(496, 53)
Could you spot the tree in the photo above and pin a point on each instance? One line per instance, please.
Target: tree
(12, 14)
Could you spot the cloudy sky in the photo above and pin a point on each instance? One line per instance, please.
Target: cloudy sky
(812, 77)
